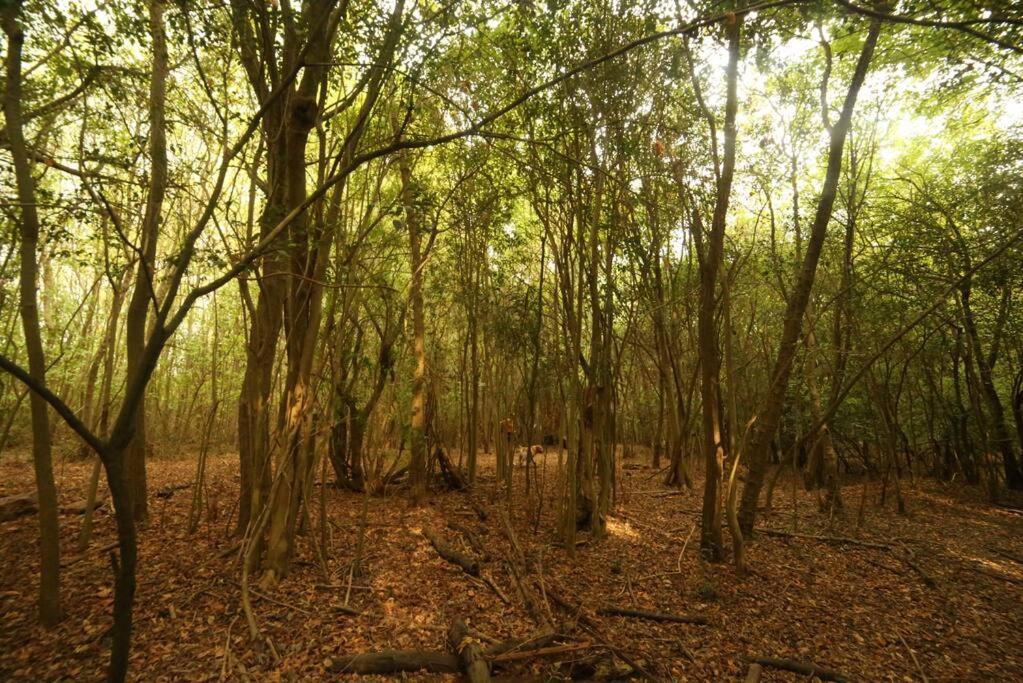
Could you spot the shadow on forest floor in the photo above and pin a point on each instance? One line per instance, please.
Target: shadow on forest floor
(863, 610)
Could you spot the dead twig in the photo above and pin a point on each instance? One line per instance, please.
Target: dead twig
(803, 668)
(912, 654)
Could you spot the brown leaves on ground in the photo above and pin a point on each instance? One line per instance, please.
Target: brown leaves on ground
(860, 610)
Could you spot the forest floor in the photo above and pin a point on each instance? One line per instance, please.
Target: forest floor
(869, 612)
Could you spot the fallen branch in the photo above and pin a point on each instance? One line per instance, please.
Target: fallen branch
(345, 609)
(467, 564)
(910, 559)
(168, 491)
(478, 509)
(920, 669)
(591, 626)
(397, 661)
(541, 652)
(1006, 554)
(1010, 508)
(654, 616)
(489, 582)
(470, 537)
(994, 574)
(521, 645)
(802, 668)
(78, 558)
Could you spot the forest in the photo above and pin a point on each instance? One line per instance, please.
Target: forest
(535, 340)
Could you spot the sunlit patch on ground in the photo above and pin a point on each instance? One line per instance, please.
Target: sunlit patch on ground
(622, 529)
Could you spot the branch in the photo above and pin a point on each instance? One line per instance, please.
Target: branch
(965, 26)
(264, 244)
(62, 408)
(923, 315)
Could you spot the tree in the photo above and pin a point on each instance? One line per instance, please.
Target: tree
(42, 459)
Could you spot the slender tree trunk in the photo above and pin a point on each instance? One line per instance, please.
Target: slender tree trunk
(124, 566)
(707, 333)
(49, 536)
(144, 291)
(772, 404)
(474, 393)
(826, 447)
(417, 446)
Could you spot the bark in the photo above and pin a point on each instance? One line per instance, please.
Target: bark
(144, 291)
(257, 57)
(711, 252)
(461, 560)
(771, 406)
(960, 419)
(534, 370)
(397, 661)
(310, 241)
(42, 459)
(101, 413)
(413, 223)
(469, 653)
(351, 419)
(124, 565)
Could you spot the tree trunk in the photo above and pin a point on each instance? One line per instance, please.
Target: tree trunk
(707, 333)
(417, 446)
(771, 407)
(124, 566)
(474, 395)
(49, 537)
(144, 291)
(825, 445)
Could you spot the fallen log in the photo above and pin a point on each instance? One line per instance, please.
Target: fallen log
(754, 673)
(802, 668)
(654, 616)
(994, 574)
(397, 661)
(467, 564)
(18, 505)
(168, 491)
(474, 666)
